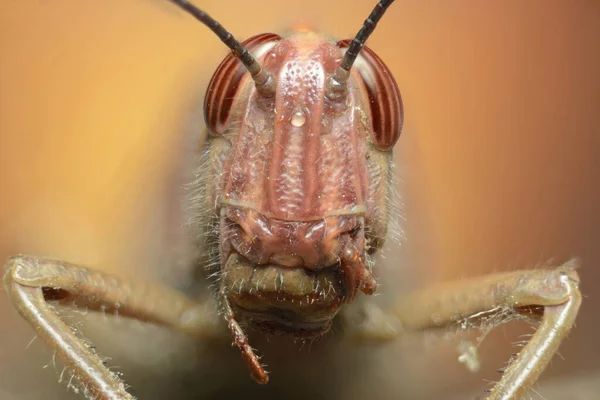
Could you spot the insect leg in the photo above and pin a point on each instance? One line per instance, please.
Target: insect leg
(31, 282)
(556, 291)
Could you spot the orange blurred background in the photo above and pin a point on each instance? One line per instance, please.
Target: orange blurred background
(499, 158)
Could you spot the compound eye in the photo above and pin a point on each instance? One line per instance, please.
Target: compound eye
(386, 109)
(225, 84)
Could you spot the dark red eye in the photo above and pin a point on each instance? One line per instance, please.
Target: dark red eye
(225, 83)
(387, 111)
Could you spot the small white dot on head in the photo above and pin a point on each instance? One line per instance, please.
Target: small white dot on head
(298, 119)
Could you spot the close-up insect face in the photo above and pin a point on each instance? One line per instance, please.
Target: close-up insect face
(300, 181)
(297, 169)
(231, 199)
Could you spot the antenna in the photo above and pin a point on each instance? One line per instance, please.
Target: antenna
(262, 79)
(336, 87)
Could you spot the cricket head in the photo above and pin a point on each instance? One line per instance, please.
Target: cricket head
(296, 174)
(300, 180)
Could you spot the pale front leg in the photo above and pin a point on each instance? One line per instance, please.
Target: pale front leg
(556, 291)
(31, 281)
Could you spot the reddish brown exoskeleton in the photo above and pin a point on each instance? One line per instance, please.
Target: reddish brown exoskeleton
(298, 169)
(296, 175)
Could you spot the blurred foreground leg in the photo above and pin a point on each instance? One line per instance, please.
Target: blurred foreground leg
(554, 292)
(30, 282)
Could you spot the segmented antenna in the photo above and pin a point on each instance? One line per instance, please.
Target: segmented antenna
(337, 84)
(262, 79)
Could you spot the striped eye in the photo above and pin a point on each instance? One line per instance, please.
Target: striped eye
(386, 109)
(225, 83)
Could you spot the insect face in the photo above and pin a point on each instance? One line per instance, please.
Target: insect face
(300, 181)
